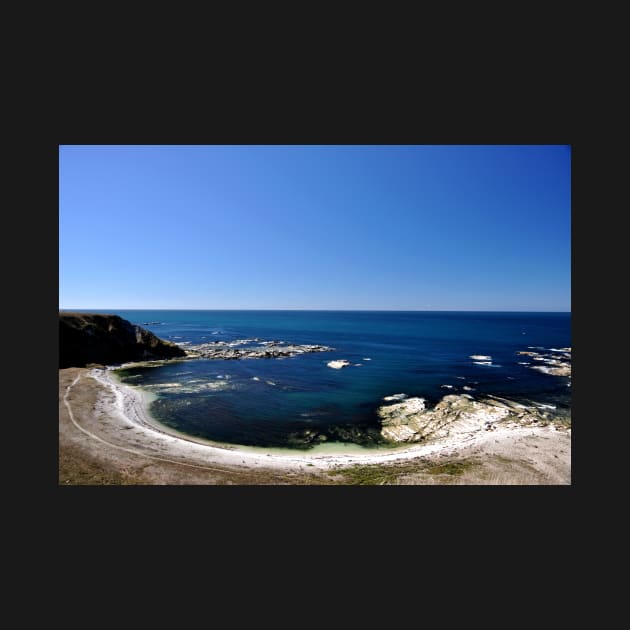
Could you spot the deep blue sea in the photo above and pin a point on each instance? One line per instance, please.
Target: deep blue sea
(299, 402)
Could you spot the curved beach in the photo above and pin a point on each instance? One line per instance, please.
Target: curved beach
(106, 436)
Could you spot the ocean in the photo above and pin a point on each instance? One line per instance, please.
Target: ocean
(300, 402)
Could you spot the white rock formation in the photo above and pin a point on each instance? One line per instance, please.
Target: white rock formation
(338, 364)
(410, 421)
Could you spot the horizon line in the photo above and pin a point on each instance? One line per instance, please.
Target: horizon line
(349, 310)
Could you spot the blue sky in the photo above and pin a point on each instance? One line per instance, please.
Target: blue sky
(315, 227)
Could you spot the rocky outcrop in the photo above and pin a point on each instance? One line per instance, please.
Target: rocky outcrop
(410, 421)
(557, 360)
(244, 349)
(108, 339)
(338, 364)
(561, 370)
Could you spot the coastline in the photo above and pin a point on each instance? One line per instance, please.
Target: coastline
(106, 436)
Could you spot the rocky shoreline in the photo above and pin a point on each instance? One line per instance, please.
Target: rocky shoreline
(410, 420)
(106, 437)
(406, 419)
(104, 424)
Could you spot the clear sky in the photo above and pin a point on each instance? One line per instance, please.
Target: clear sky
(315, 227)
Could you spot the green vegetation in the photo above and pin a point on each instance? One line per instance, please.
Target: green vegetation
(380, 474)
(450, 468)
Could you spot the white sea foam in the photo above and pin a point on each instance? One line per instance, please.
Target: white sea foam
(481, 357)
(447, 386)
(211, 386)
(396, 397)
(189, 387)
(240, 342)
(255, 378)
(367, 359)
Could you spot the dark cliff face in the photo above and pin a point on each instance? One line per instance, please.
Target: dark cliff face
(108, 339)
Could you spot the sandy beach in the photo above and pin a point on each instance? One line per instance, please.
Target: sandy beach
(106, 437)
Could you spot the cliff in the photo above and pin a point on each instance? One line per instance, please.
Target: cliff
(108, 339)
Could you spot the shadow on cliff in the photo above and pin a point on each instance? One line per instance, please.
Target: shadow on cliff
(86, 338)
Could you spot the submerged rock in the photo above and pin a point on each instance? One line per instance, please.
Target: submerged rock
(396, 397)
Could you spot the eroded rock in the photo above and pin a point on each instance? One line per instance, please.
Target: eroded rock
(411, 421)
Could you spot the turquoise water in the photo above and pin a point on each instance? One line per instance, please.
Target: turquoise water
(300, 402)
